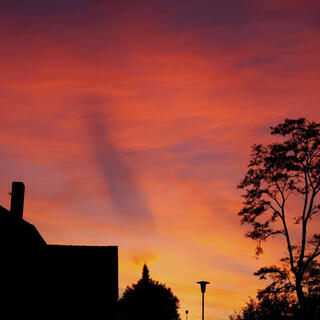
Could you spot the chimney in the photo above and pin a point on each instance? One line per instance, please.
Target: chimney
(17, 199)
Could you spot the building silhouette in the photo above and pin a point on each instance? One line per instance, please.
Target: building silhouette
(52, 281)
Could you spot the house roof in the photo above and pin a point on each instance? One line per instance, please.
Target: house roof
(17, 233)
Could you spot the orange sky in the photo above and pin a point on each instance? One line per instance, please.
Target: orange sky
(131, 122)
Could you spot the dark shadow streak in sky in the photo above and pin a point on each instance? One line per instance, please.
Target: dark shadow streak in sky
(126, 197)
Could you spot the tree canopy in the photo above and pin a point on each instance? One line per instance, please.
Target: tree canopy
(281, 189)
(148, 299)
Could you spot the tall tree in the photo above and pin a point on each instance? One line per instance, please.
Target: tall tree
(148, 299)
(278, 174)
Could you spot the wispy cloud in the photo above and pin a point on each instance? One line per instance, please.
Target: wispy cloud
(124, 193)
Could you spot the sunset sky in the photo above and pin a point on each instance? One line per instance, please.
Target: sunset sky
(131, 122)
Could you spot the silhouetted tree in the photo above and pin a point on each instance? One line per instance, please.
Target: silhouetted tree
(277, 174)
(266, 308)
(148, 299)
(278, 301)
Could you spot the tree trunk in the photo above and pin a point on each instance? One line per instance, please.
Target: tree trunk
(300, 293)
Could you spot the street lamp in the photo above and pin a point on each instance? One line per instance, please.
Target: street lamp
(187, 314)
(203, 290)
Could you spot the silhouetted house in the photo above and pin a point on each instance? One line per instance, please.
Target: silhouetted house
(63, 281)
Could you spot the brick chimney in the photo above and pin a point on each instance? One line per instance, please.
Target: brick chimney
(17, 199)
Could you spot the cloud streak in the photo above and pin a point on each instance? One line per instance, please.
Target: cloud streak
(124, 193)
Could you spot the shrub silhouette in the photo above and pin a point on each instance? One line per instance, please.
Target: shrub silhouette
(148, 299)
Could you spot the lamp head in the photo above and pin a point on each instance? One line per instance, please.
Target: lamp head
(203, 285)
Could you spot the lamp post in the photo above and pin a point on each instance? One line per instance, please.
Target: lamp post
(203, 290)
(187, 314)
